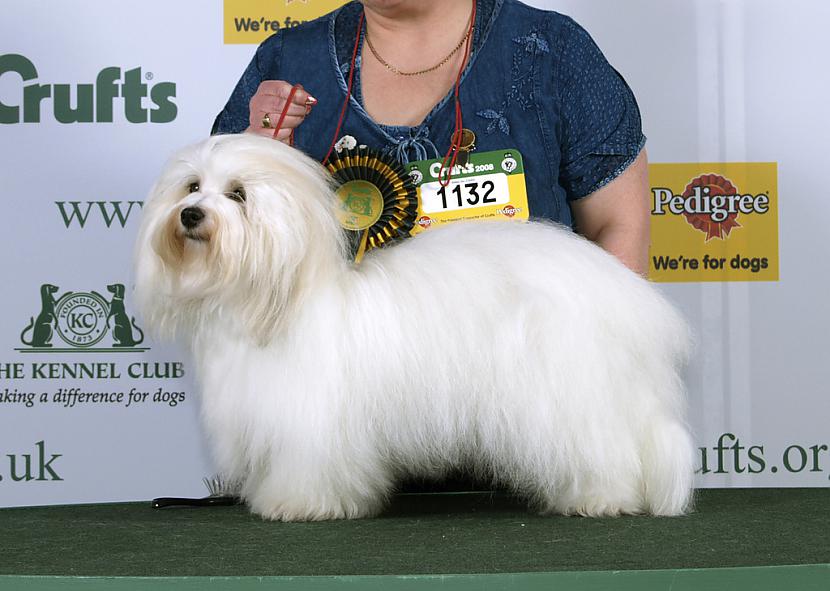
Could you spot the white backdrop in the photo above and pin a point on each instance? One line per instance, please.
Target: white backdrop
(717, 81)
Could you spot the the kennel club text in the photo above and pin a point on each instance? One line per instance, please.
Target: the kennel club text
(466, 193)
(92, 371)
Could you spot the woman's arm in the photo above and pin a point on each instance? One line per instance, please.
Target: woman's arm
(617, 216)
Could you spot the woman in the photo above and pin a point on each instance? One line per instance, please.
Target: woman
(534, 81)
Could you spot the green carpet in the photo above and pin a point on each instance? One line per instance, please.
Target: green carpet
(419, 534)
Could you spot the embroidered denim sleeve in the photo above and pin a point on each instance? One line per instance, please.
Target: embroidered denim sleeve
(601, 132)
(234, 118)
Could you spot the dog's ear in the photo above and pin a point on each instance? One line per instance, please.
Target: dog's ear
(294, 247)
(272, 260)
(268, 287)
(158, 311)
(154, 304)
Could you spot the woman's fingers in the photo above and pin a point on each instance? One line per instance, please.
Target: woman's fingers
(267, 106)
(281, 89)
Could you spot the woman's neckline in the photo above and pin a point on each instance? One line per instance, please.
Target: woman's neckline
(343, 25)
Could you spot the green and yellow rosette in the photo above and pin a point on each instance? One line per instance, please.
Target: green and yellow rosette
(378, 203)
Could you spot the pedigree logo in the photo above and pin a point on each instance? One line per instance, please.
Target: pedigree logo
(714, 222)
(252, 21)
(132, 94)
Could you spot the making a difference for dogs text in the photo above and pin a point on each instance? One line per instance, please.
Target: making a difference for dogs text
(69, 395)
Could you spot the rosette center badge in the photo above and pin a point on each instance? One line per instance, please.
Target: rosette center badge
(361, 204)
(378, 201)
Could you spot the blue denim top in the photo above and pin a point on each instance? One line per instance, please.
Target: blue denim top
(535, 82)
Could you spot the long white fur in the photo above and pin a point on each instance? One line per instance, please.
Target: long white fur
(519, 349)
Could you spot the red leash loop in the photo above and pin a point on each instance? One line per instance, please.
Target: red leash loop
(348, 89)
(455, 139)
(285, 108)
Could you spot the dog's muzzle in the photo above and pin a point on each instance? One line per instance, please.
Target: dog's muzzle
(191, 217)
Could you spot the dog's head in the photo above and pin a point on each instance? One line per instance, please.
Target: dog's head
(47, 289)
(117, 290)
(237, 223)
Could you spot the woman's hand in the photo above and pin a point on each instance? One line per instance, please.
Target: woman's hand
(270, 100)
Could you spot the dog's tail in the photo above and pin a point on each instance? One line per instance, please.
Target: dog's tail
(30, 326)
(668, 468)
(139, 331)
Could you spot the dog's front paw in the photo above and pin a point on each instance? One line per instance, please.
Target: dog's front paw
(310, 506)
(285, 512)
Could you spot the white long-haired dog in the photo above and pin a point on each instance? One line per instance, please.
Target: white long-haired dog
(521, 351)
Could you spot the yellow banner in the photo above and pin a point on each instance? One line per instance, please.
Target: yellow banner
(714, 222)
(252, 21)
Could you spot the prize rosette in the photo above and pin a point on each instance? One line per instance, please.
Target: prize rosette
(378, 201)
(717, 185)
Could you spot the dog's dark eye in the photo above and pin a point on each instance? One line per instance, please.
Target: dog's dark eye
(237, 194)
(193, 187)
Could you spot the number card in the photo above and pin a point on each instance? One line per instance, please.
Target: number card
(490, 186)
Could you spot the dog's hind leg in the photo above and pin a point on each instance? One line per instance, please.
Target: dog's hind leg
(606, 485)
(646, 470)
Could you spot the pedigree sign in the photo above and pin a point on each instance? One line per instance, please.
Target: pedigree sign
(714, 222)
(252, 21)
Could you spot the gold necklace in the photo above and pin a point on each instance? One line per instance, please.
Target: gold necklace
(395, 70)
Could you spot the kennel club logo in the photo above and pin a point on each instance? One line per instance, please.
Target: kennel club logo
(252, 21)
(714, 222)
(81, 321)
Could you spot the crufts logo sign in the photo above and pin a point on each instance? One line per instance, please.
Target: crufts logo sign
(85, 103)
(81, 320)
(252, 21)
(714, 222)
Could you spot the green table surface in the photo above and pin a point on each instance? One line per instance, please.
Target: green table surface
(420, 534)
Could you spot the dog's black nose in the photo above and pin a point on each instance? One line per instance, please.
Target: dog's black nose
(191, 216)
